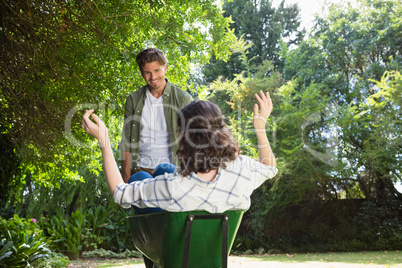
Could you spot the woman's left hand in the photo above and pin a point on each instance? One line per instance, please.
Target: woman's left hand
(97, 129)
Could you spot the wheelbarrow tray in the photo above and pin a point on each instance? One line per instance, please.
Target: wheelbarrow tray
(162, 237)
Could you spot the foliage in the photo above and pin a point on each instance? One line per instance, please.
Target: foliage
(338, 135)
(339, 225)
(335, 128)
(236, 97)
(373, 143)
(97, 228)
(21, 242)
(66, 235)
(61, 57)
(102, 253)
(335, 131)
(9, 173)
(310, 177)
(261, 24)
(55, 260)
(42, 200)
(376, 226)
(117, 232)
(347, 52)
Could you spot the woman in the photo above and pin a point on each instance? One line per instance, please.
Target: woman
(212, 175)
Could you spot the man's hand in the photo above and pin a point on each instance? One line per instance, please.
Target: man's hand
(265, 107)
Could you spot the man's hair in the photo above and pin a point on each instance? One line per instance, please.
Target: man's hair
(150, 55)
(205, 142)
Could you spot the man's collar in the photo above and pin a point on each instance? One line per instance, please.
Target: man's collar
(168, 88)
(166, 91)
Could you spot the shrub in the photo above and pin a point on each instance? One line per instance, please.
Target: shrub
(21, 242)
(55, 260)
(65, 234)
(102, 253)
(338, 225)
(99, 228)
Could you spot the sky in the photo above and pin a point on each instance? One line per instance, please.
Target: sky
(309, 8)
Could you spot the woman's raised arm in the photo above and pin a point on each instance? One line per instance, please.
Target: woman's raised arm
(262, 111)
(100, 132)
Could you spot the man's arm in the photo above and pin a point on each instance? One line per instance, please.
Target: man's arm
(125, 165)
(125, 154)
(266, 156)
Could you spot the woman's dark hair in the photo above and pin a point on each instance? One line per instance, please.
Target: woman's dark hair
(205, 142)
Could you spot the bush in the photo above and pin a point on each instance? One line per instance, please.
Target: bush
(55, 260)
(21, 242)
(377, 226)
(105, 228)
(66, 234)
(338, 225)
(102, 253)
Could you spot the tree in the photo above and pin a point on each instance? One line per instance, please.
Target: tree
(264, 26)
(59, 57)
(335, 131)
(347, 52)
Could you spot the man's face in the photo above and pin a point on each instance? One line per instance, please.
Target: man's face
(154, 75)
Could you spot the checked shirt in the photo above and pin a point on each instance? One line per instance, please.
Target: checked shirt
(229, 190)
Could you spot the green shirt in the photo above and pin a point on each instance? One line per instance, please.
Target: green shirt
(173, 100)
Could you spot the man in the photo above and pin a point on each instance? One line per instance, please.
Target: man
(149, 135)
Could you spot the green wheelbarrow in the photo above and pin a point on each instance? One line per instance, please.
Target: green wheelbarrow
(193, 239)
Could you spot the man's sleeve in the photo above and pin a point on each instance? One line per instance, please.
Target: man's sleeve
(126, 133)
(186, 99)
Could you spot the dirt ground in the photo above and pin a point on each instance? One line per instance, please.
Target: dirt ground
(238, 262)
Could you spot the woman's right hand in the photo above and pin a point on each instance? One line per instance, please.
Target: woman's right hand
(262, 110)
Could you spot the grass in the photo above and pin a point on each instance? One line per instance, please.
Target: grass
(332, 259)
(386, 258)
